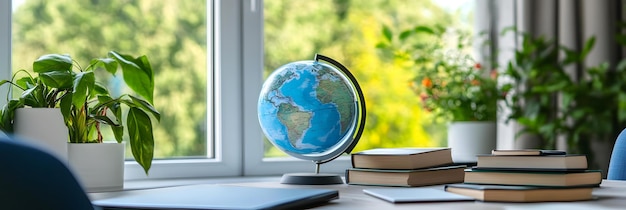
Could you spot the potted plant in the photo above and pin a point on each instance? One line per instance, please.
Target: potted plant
(452, 85)
(86, 105)
(550, 103)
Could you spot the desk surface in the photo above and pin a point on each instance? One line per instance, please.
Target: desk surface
(610, 195)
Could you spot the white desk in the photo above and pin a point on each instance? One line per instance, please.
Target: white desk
(611, 195)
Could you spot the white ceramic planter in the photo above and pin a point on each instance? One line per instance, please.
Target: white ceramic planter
(99, 167)
(468, 139)
(44, 127)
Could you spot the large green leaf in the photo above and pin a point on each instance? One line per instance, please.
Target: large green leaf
(52, 62)
(57, 79)
(138, 74)
(141, 139)
(83, 83)
(66, 106)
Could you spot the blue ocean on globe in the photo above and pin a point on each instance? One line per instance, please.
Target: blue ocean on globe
(307, 109)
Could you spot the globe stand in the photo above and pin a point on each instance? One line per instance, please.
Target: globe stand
(311, 178)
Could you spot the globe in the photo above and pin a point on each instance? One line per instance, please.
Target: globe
(312, 110)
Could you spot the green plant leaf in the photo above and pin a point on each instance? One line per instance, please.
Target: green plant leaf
(425, 29)
(382, 45)
(141, 137)
(138, 74)
(588, 47)
(66, 107)
(387, 34)
(52, 62)
(118, 131)
(33, 97)
(83, 83)
(8, 113)
(109, 64)
(99, 89)
(25, 83)
(57, 79)
(106, 120)
(146, 107)
(405, 34)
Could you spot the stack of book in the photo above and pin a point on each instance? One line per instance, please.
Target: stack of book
(407, 167)
(529, 176)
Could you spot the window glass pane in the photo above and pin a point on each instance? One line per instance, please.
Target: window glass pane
(349, 32)
(173, 35)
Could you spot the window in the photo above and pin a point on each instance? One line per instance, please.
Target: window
(239, 45)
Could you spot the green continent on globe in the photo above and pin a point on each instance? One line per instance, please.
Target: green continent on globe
(335, 91)
(280, 80)
(295, 120)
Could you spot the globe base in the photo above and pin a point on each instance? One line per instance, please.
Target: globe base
(311, 179)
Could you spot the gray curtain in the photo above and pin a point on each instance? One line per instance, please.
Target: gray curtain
(570, 23)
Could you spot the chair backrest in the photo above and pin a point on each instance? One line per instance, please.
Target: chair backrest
(617, 164)
(31, 178)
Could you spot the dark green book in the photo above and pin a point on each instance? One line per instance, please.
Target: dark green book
(507, 193)
(406, 178)
(589, 178)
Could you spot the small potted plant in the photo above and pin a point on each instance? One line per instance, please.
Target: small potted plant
(452, 85)
(86, 106)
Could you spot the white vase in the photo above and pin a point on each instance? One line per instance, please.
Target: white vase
(468, 139)
(44, 127)
(99, 167)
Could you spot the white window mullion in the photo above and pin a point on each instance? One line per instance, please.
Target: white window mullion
(5, 44)
(224, 114)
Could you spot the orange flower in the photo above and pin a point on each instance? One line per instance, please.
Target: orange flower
(426, 82)
(477, 66)
(475, 82)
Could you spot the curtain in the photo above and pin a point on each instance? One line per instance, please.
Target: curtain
(568, 22)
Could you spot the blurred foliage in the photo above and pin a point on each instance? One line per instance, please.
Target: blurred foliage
(348, 31)
(171, 33)
(450, 81)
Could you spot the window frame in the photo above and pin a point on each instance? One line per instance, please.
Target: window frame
(223, 50)
(235, 78)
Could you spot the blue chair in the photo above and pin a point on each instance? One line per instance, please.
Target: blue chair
(31, 178)
(617, 164)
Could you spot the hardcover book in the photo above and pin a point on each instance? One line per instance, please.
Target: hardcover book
(401, 158)
(535, 178)
(527, 152)
(405, 178)
(526, 162)
(504, 193)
